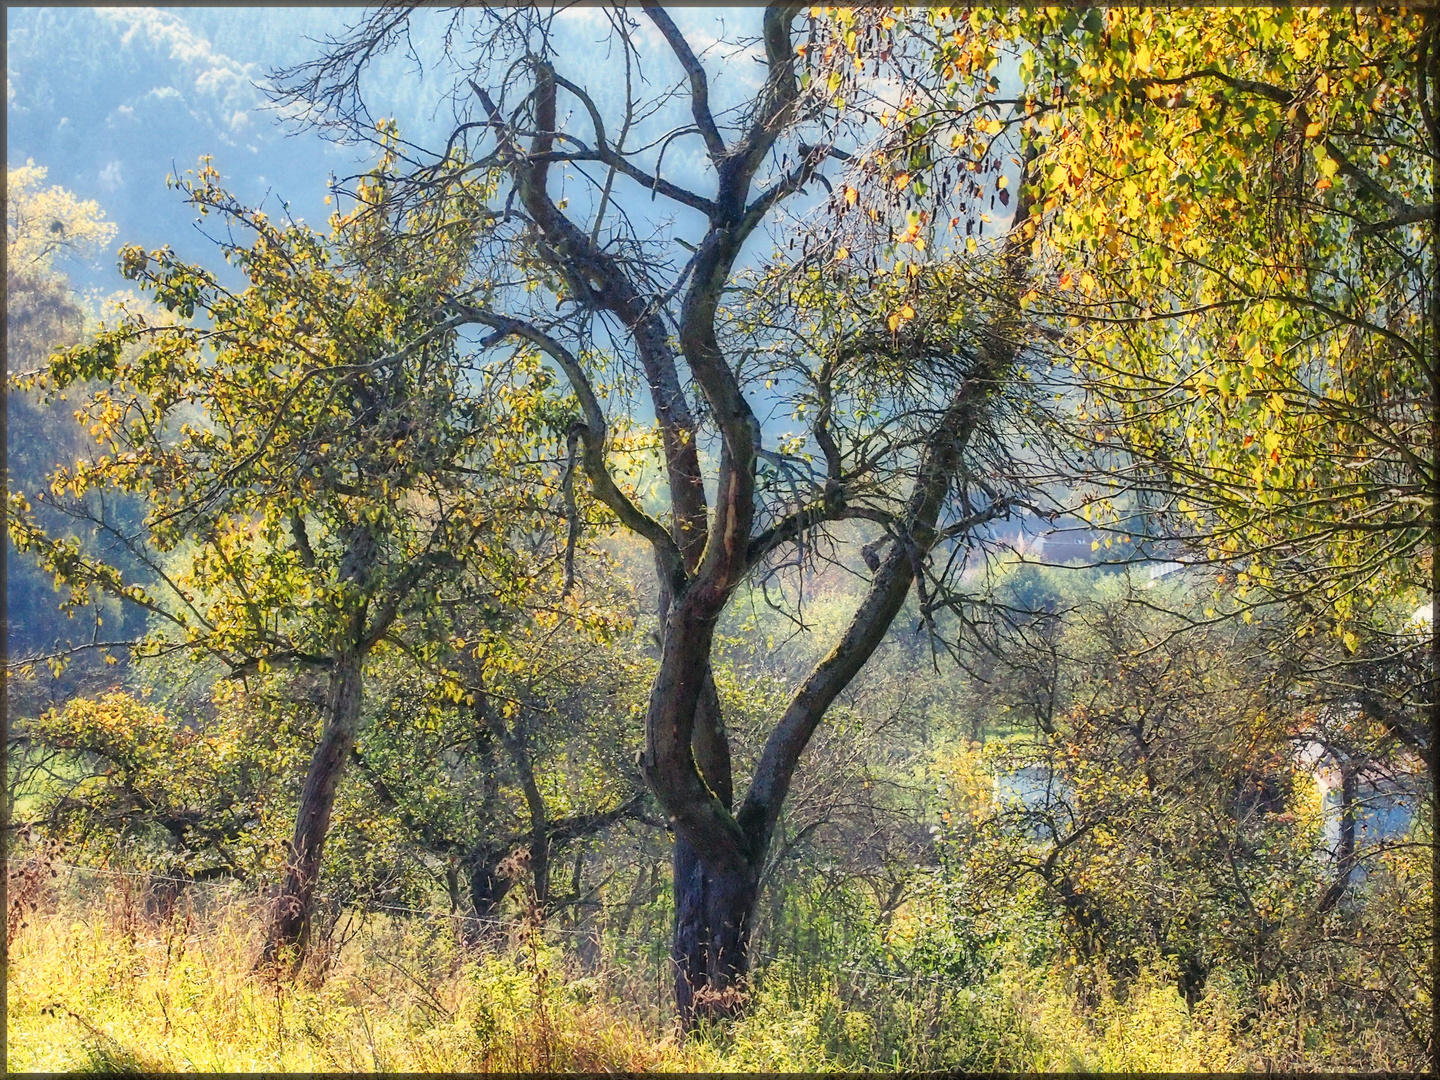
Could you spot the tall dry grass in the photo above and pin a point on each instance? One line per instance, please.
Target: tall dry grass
(104, 978)
(116, 974)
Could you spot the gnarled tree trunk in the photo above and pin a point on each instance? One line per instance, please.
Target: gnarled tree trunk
(712, 912)
(289, 926)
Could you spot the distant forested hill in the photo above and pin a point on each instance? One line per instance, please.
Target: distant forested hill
(111, 101)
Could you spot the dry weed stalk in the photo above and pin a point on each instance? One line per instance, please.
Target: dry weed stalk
(25, 885)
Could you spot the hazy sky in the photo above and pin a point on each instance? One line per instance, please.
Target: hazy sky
(111, 100)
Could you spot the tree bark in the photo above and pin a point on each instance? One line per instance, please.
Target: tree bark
(289, 927)
(708, 947)
(488, 889)
(1345, 853)
(714, 911)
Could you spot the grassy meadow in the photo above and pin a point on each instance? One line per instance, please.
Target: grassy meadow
(101, 978)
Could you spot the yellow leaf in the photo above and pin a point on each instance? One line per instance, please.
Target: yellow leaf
(902, 181)
(851, 195)
(1312, 129)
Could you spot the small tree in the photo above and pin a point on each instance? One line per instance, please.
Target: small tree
(531, 760)
(316, 462)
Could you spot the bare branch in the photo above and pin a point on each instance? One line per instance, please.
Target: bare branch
(699, 82)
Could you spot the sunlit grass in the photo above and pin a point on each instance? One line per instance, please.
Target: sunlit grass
(167, 995)
(95, 985)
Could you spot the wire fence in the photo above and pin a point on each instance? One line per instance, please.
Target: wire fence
(320, 899)
(249, 892)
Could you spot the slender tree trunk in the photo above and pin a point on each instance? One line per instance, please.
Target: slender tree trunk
(1345, 852)
(515, 739)
(488, 889)
(289, 928)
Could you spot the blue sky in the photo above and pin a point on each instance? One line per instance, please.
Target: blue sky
(111, 100)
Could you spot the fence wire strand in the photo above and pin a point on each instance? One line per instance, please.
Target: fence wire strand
(434, 915)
